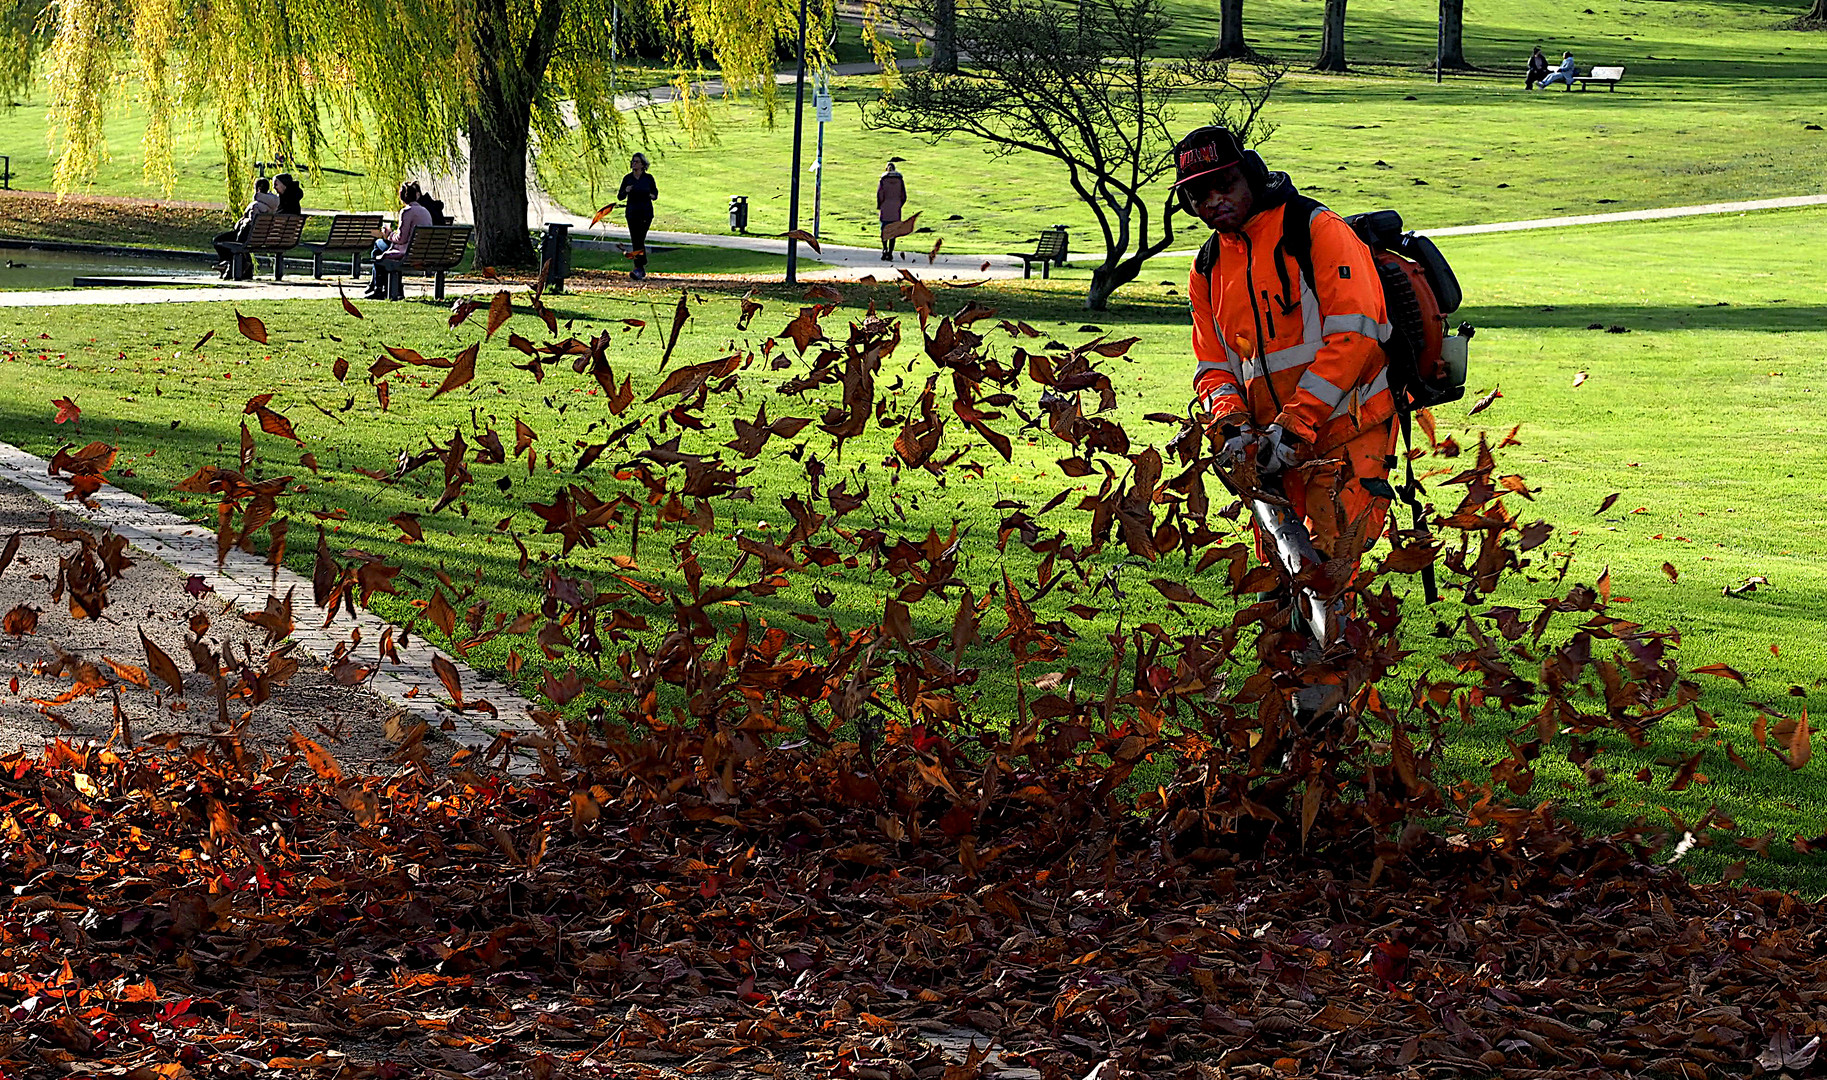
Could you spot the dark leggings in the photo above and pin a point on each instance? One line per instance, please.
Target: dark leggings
(637, 239)
(225, 238)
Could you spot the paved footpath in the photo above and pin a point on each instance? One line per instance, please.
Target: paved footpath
(839, 262)
(206, 288)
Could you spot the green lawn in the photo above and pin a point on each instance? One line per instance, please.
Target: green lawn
(1715, 106)
(1697, 417)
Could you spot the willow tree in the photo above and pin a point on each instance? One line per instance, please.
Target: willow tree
(403, 85)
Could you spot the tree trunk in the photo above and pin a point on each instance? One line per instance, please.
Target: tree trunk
(1332, 38)
(509, 71)
(498, 191)
(1107, 279)
(1452, 34)
(945, 36)
(1818, 13)
(1230, 31)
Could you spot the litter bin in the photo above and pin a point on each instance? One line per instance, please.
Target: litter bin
(739, 213)
(555, 254)
(1061, 261)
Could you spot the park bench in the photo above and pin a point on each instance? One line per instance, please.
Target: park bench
(1049, 248)
(433, 249)
(351, 233)
(270, 234)
(1609, 76)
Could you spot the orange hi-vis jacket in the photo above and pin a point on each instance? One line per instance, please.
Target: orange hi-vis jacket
(1278, 352)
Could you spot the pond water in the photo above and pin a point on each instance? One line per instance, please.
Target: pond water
(21, 268)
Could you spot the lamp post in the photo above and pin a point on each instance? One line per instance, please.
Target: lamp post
(799, 111)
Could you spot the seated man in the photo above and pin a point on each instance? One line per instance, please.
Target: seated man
(1563, 74)
(264, 202)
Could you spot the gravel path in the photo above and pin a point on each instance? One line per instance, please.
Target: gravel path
(150, 596)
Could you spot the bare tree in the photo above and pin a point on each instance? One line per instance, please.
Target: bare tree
(1079, 84)
(1452, 34)
(1332, 38)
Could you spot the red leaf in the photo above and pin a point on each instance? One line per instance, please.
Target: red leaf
(66, 410)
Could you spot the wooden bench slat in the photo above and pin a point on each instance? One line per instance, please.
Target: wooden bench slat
(270, 234)
(434, 249)
(353, 234)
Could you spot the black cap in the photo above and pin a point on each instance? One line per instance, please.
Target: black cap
(1204, 151)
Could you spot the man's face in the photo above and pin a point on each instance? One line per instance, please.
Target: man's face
(1221, 199)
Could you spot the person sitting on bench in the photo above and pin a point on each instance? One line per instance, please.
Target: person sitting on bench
(393, 243)
(1563, 74)
(1538, 69)
(290, 192)
(265, 202)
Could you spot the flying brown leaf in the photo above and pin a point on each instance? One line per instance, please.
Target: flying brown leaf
(251, 328)
(160, 664)
(66, 410)
(679, 315)
(461, 372)
(447, 674)
(499, 309)
(1484, 402)
(1723, 671)
(1674, 575)
(347, 305)
(897, 229)
(803, 237)
(599, 216)
(1606, 505)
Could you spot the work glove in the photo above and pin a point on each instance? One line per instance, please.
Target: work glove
(1275, 450)
(1237, 444)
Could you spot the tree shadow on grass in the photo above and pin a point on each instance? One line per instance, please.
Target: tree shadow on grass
(1770, 317)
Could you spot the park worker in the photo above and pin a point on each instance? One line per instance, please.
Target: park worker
(1563, 74)
(1295, 373)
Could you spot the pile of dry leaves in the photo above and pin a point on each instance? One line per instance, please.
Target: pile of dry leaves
(750, 846)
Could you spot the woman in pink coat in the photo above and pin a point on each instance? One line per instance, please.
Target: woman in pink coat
(890, 197)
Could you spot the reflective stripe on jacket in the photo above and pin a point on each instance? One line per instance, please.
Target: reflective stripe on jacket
(1269, 348)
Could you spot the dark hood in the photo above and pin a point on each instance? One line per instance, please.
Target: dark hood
(1276, 190)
